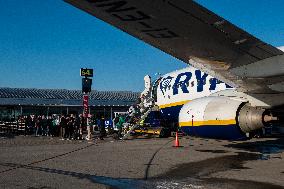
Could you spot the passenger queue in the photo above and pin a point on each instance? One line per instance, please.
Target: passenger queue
(68, 127)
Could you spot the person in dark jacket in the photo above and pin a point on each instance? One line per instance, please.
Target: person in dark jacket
(38, 125)
(28, 124)
(71, 127)
(44, 126)
(49, 126)
(63, 124)
(102, 128)
(76, 127)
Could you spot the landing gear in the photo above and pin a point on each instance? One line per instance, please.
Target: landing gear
(165, 132)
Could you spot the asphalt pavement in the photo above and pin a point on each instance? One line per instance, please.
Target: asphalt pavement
(143, 163)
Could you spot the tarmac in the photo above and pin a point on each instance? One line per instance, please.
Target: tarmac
(143, 163)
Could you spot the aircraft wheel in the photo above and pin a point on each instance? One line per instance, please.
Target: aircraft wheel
(164, 133)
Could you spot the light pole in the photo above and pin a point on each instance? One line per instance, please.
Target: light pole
(86, 73)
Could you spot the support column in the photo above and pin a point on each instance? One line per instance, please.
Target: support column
(21, 110)
(47, 112)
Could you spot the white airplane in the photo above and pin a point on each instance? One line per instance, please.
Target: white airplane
(195, 97)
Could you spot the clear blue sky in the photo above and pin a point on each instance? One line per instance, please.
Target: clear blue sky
(43, 44)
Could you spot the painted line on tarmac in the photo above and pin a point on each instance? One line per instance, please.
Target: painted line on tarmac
(153, 157)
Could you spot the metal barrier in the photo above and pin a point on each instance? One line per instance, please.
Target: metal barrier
(21, 127)
(13, 127)
(3, 127)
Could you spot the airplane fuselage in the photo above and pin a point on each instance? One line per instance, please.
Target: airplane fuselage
(179, 87)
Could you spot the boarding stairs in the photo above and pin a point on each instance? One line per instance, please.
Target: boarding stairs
(135, 126)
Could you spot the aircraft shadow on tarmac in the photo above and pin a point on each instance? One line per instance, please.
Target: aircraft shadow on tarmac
(200, 172)
(265, 148)
(113, 183)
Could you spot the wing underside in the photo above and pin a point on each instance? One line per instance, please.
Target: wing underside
(195, 35)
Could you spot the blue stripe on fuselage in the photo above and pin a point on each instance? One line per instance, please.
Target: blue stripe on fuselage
(228, 132)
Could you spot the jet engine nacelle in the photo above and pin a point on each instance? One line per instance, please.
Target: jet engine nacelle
(220, 117)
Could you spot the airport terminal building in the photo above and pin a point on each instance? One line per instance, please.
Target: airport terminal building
(24, 101)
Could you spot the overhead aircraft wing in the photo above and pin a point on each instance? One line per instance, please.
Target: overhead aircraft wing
(197, 36)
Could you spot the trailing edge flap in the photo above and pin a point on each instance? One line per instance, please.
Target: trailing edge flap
(197, 36)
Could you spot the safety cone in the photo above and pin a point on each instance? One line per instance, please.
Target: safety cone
(176, 144)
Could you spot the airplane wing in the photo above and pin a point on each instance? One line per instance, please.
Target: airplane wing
(195, 35)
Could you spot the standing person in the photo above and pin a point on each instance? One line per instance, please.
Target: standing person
(37, 125)
(116, 120)
(49, 127)
(53, 127)
(102, 128)
(30, 124)
(43, 126)
(120, 125)
(70, 124)
(109, 125)
(62, 124)
(33, 119)
(57, 121)
(98, 123)
(67, 128)
(27, 125)
(92, 123)
(76, 127)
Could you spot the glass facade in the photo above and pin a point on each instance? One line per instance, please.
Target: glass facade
(8, 113)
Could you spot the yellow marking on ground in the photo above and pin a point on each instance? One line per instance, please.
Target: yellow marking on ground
(173, 104)
(154, 131)
(208, 122)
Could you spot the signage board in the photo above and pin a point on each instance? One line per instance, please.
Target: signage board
(86, 72)
(85, 105)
